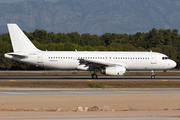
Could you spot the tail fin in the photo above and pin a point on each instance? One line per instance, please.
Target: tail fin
(19, 40)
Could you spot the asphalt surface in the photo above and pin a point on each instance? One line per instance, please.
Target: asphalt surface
(84, 78)
(41, 92)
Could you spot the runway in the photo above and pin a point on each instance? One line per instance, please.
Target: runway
(84, 78)
(37, 103)
(46, 92)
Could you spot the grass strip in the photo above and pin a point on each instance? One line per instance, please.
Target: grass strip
(91, 84)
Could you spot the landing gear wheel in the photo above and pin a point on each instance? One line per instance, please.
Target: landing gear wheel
(94, 76)
(153, 77)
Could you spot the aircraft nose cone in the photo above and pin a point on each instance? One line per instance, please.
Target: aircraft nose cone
(173, 64)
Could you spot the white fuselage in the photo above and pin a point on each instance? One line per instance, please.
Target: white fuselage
(68, 60)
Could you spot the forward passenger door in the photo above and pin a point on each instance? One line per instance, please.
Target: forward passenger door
(153, 58)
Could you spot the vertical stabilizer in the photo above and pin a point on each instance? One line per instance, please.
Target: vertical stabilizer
(19, 40)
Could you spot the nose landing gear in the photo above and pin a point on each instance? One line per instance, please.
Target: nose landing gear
(152, 74)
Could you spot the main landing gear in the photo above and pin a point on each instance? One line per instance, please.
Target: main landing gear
(152, 74)
(94, 75)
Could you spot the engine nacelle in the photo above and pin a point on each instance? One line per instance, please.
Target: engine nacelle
(114, 70)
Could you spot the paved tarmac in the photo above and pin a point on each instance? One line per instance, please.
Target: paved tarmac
(84, 78)
(42, 92)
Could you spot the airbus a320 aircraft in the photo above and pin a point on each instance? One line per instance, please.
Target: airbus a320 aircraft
(109, 63)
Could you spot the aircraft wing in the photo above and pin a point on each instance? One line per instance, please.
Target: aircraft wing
(98, 64)
(93, 63)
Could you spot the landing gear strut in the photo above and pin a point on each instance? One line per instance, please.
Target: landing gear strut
(152, 74)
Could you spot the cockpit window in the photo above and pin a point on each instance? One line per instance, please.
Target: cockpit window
(165, 58)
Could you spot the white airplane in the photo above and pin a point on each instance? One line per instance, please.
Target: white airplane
(109, 63)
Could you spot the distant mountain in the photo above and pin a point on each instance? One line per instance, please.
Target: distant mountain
(92, 16)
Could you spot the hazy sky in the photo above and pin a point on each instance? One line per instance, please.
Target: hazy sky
(14, 1)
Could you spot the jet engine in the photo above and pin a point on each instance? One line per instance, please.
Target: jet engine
(114, 70)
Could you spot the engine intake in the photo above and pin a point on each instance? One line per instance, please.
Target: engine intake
(114, 70)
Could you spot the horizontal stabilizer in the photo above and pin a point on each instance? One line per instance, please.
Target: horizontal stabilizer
(17, 55)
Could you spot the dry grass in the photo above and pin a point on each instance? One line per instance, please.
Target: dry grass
(91, 84)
